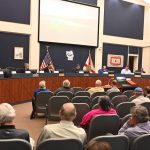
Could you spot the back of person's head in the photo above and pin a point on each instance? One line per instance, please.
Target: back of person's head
(97, 145)
(7, 113)
(147, 88)
(104, 103)
(42, 84)
(140, 113)
(66, 83)
(138, 91)
(67, 112)
(98, 83)
(114, 82)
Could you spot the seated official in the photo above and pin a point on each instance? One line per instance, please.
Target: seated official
(49, 68)
(65, 87)
(77, 68)
(65, 128)
(114, 87)
(104, 108)
(26, 67)
(42, 87)
(98, 87)
(103, 70)
(7, 127)
(126, 70)
(97, 145)
(137, 125)
(139, 94)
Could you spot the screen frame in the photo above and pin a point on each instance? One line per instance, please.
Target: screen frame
(66, 42)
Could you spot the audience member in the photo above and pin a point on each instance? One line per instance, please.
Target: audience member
(139, 94)
(97, 88)
(65, 87)
(126, 70)
(137, 124)
(64, 129)
(97, 145)
(114, 87)
(103, 70)
(104, 108)
(42, 87)
(7, 127)
(49, 68)
(147, 91)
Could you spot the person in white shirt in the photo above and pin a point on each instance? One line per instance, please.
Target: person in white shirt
(126, 70)
(98, 87)
(66, 127)
(139, 94)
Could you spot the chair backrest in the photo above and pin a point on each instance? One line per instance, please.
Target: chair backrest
(58, 144)
(124, 119)
(42, 100)
(128, 93)
(103, 124)
(119, 99)
(147, 105)
(14, 144)
(81, 109)
(113, 94)
(117, 142)
(69, 94)
(132, 98)
(76, 89)
(94, 101)
(97, 94)
(124, 108)
(81, 99)
(54, 105)
(82, 93)
(141, 143)
(87, 88)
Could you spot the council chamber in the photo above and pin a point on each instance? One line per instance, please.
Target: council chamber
(75, 74)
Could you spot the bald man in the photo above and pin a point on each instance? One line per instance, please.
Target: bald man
(65, 128)
(65, 87)
(98, 87)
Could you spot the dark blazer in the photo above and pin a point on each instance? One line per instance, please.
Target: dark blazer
(10, 132)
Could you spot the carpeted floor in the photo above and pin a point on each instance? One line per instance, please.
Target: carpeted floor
(22, 120)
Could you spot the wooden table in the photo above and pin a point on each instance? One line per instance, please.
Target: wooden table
(21, 89)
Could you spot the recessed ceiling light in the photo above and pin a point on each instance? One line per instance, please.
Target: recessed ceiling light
(147, 1)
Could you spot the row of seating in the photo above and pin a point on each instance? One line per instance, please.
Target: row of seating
(117, 142)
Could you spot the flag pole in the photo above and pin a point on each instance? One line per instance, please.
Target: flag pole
(47, 48)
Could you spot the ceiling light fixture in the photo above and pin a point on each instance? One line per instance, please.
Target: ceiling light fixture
(147, 1)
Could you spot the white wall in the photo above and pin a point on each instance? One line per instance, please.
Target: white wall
(32, 30)
(126, 41)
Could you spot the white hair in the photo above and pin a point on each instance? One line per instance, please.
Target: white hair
(7, 113)
(42, 84)
(98, 83)
(66, 83)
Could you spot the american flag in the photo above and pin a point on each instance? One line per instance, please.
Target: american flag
(47, 60)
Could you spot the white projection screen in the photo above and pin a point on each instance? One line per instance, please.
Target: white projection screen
(68, 22)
